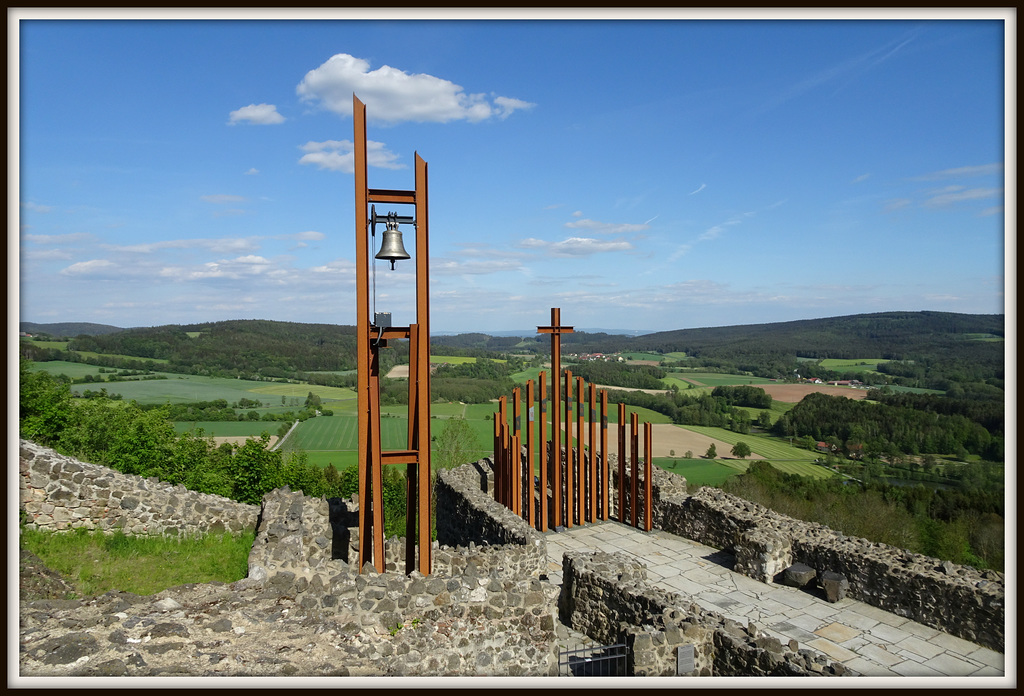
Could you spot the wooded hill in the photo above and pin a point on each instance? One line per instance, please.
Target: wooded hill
(926, 349)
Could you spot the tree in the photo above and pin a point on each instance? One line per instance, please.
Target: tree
(741, 450)
(455, 444)
(712, 452)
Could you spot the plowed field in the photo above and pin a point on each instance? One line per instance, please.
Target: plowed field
(793, 393)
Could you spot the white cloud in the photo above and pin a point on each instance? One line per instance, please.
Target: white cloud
(862, 177)
(252, 171)
(36, 208)
(220, 246)
(575, 246)
(698, 189)
(93, 267)
(57, 238)
(393, 96)
(338, 155)
(605, 227)
(259, 114)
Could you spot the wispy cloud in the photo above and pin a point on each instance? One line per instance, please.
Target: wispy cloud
(994, 169)
(339, 155)
(257, 114)
(36, 207)
(845, 70)
(957, 194)
(222, 198)
(393, 96)
(698, 189)
(576, 246)
(606, 227)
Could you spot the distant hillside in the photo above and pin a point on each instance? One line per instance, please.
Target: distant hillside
(890, 335)
(68, 329)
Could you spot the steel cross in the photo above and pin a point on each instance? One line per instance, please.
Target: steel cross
(556, 331)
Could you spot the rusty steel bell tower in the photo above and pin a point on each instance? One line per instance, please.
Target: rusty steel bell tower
(372, 334)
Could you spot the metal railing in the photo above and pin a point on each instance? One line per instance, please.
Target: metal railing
(593, 661)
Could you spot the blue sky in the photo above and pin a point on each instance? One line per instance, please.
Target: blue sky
(644, 175)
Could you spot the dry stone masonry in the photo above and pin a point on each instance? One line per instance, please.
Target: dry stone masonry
(60, 493)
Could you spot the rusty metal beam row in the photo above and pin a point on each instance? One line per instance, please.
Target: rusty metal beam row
(580, 489)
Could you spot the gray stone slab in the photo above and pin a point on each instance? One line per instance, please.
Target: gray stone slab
(791, 630)
(915, 645)
(952, 666)
(988, 657)
(879, 654)
(909, 668)
(887, 635)
(868, 668)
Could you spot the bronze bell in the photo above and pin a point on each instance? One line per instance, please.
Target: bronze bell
(391, 247)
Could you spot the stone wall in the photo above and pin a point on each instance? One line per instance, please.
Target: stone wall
(955, 599)
(607, 596)
(60, 493)
(483, 610)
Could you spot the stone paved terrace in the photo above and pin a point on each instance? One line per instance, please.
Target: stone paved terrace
(868, 640)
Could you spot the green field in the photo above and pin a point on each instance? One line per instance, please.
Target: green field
(699, 472)
(458, 359)
(781, 455)
(716, 379)
(852, 365)
(229, 428)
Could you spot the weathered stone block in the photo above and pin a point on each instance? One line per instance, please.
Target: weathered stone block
(798, 575)
(835, 585)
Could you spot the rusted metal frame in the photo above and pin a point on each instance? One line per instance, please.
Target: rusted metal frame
(634, 443)
(570, 497)
(542, 426)
(391, 196)
(592, 451)
(648, 478)
(531, 443)
(604, 455)
(622, 463)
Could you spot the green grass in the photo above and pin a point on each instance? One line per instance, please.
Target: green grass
(58, 345)
(699, 472)
(94, 562)
(781, 455)
(852, 365)
(73, 370)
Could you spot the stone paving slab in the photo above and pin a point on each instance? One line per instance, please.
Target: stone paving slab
(870, 641)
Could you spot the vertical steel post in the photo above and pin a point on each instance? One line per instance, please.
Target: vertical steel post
(592, 452)
(604, 454)
(581, 467)
(570, 497)
(516, 460)
(543, 430)
(648, 478)
(531, 443)
(622, 463)
(424, 483)
(634, 441)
